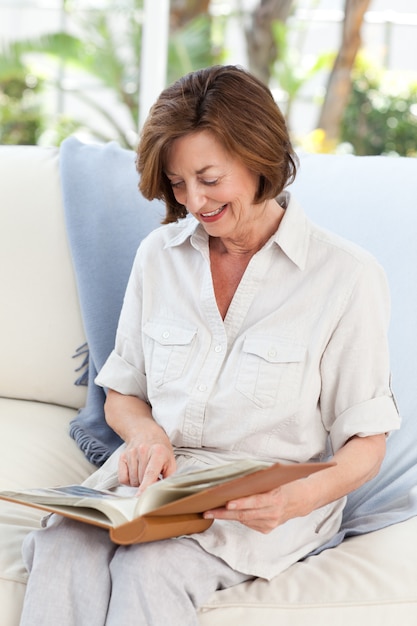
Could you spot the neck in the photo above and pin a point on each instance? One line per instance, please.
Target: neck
(246, 245)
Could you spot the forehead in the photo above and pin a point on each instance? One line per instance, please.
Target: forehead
(196, 151)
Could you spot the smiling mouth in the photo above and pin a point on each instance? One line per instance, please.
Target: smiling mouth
(214, 213)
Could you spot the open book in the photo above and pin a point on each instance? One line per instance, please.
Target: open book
(168, 508)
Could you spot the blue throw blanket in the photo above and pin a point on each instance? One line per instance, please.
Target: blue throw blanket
(103, 208)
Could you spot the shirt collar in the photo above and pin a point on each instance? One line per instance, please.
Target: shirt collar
(292, 235)
(188, 228)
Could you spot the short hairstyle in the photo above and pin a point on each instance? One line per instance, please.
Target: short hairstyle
(240, 112)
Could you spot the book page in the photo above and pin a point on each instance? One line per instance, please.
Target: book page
(184, 484)
(76, 498)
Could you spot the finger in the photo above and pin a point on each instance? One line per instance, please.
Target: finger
(152, 465)
(129, 467)
(127, 471)
(251, 518)
(272, 500)
(170, 466)
(259, 506)
(123, 474)
(151, 475)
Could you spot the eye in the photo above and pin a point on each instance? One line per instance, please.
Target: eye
(210, 183)
(175, 184)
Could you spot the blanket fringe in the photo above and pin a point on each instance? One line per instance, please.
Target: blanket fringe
(95, 451)
(83, 378)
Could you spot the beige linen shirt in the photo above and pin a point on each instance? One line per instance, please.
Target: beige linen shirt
(299, 365)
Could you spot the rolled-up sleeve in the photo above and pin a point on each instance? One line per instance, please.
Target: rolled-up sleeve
(368, 418)
(122, 376)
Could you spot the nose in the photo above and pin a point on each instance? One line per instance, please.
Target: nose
(194, 198)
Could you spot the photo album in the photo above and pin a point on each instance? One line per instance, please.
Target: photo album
(172, 506)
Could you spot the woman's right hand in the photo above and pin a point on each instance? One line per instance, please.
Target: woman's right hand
(148, 454)
(143, 461)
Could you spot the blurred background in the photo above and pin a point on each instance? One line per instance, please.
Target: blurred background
(344, 72)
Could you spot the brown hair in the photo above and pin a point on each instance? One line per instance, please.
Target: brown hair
(240, 112)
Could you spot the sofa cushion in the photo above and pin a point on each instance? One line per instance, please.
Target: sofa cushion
(370, 578)
(46, 455)
(366, 579)
(40, 318)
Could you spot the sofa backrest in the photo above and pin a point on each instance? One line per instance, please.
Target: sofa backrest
(40, 322)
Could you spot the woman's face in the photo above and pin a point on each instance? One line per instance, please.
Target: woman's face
(214, 186)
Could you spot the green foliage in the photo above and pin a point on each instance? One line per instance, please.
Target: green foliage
(106, 52)
(191, 48)
(61, 127)
(381, 117)
(21, 118)
(111, 61)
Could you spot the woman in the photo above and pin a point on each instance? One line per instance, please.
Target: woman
(246, 331)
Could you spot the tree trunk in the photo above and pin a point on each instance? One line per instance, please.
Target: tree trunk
(261, 47)
(340, 79)
(183, 11)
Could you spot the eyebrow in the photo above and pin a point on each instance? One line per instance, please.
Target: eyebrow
(198, 172)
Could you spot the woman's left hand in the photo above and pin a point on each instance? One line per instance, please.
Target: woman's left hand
(265, 511)
(356, 462)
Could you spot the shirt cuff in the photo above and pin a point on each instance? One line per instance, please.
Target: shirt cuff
(375, 416)
(121, 376)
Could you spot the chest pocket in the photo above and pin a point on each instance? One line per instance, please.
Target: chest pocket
(167, 350)
(270, 371)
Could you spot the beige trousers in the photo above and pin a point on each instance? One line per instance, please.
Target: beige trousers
(78, 577)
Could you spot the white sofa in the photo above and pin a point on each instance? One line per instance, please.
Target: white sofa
(369, 578)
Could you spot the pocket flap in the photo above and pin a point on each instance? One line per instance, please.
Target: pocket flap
(274, 350)
(167, 333)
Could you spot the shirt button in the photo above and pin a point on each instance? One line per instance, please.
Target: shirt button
(165, 334)
(202, 387)
(218, 348)
(272, 352)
